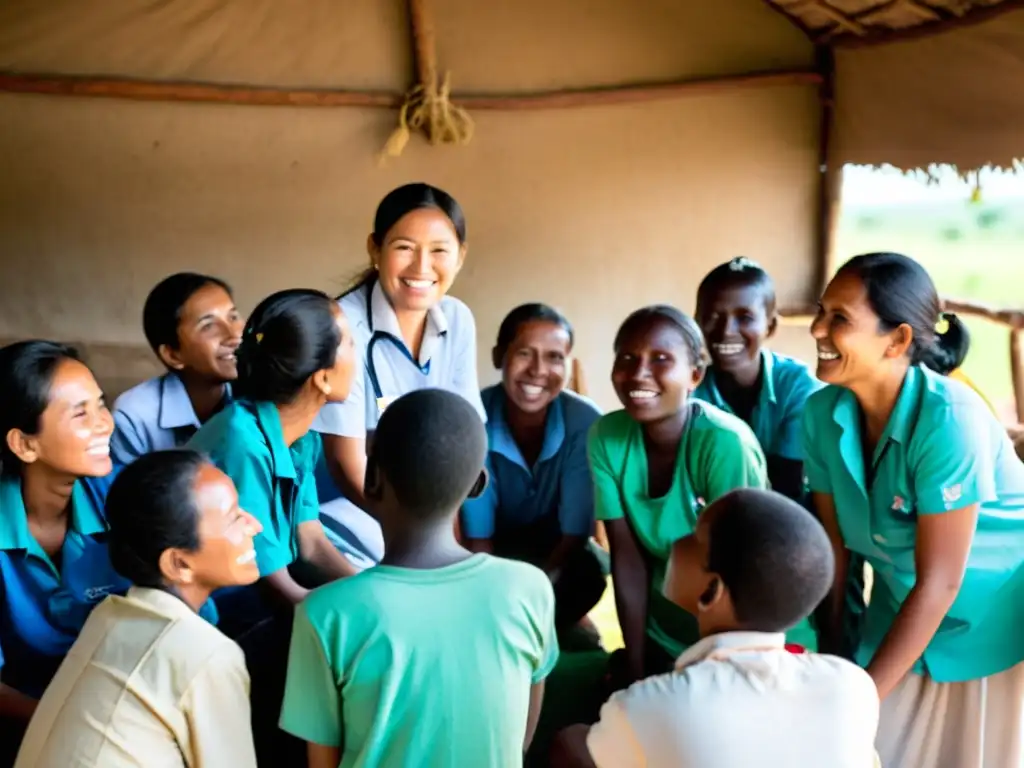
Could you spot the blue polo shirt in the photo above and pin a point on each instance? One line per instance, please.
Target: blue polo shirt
(559, 483)
(275, 483)
(942, 450)
(155, 415)
(43, 605)
(786, 383)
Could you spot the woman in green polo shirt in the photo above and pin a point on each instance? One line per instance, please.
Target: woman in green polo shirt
(910, 470)
(656, 464)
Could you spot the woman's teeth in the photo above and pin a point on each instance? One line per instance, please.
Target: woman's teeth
(418, 283)
(531, 390)
(642, 394)
(824, 355)
(98, 449)
(725, 350)
(247, 558)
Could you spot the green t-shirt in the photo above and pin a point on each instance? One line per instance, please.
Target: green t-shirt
(718, 453)
(428, 668)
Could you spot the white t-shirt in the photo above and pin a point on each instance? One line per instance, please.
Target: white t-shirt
(741, 700)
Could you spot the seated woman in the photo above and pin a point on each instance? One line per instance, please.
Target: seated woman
(736, 312)
(656, 465)
(149, 682)
(539, 505)
(296, 356)
(54, 468)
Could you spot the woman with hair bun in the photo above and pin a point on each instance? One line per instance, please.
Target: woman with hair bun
(910, 470)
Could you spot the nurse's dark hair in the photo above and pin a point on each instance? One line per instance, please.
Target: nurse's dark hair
(290, 336)
(399, 202)
(900, 291)
(772, 555)
(26, 374)
(429, 447)
(161, 313)
(739, 271)
(663, 313)
(151, 507)
(528, 313)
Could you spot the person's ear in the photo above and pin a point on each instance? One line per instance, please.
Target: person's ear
(901, 338)
(479, 486)
(373, 251)
(696, 377)
(23, 446)
(712, 593)
(462, 257)
(169, 357)
(373, 483)
(175, 567)
(321, 382)
(497, 358)
(773, 324)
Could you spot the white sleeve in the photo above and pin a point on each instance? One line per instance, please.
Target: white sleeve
(612, 742)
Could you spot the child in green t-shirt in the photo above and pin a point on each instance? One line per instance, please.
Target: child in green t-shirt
(437, 656)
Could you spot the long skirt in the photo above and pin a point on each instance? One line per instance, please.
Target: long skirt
(975, 724)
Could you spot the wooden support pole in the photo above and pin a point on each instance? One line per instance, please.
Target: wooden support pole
(829, 179)
(210, 93)
(1017, 370)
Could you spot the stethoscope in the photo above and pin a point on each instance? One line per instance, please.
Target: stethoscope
(375, 336)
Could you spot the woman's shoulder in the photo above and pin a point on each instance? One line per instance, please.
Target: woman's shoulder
(613, 426)
(457, 313)
(234, 430)
(579, 411)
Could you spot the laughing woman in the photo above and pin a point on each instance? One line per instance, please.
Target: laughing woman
(54, 477)
(409, 334)
(657, 463)
(539, 503)
(910, 470)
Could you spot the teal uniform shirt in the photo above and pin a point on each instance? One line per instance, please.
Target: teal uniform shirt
(426, 668)
(718, 453)
(275, 484)
(786, 383)
(942, 450)
(43, 604)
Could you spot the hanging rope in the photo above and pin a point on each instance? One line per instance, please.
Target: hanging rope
(428, 108)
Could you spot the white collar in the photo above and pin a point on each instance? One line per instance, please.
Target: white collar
(730, 642)
(383, 318)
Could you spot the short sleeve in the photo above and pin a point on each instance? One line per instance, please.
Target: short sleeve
(607, 491)
(126, 444)
(253, 478)
(216, 706)
(311, 709)
(464, 376)
(576, 490)
(789, 441)
(815, 467)
(612, 742)
(734, 461)
(478, 515)
(952, 464)
(308, 506)
(549, 651)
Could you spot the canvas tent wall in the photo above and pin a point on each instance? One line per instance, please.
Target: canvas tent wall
(598, 209)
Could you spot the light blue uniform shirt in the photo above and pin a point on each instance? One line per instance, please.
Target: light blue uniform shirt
(447, 360)
(941, 450)
(786, 383)
(559, 484)
(43, 604)
(276, 485)
(155, 415)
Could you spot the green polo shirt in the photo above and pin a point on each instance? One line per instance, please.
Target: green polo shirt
(718, 453)
(426, 668)
(942, 450)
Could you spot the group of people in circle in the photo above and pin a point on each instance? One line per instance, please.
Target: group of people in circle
(315, 541)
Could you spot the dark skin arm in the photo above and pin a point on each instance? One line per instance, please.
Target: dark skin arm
(566, 545)
(786, 476)
(940, 557)
(830, 613)
(319, 756)
(533, 714)
(631, 577)
(346, 462)
(15, 704)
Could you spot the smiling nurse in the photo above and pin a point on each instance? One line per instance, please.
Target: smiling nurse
(54, 566)
(411, 335)
(911, 470)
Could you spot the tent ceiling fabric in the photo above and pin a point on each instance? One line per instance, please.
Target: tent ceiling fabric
(837, 19)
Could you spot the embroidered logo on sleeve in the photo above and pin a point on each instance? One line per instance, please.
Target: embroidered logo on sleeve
(952, 494)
